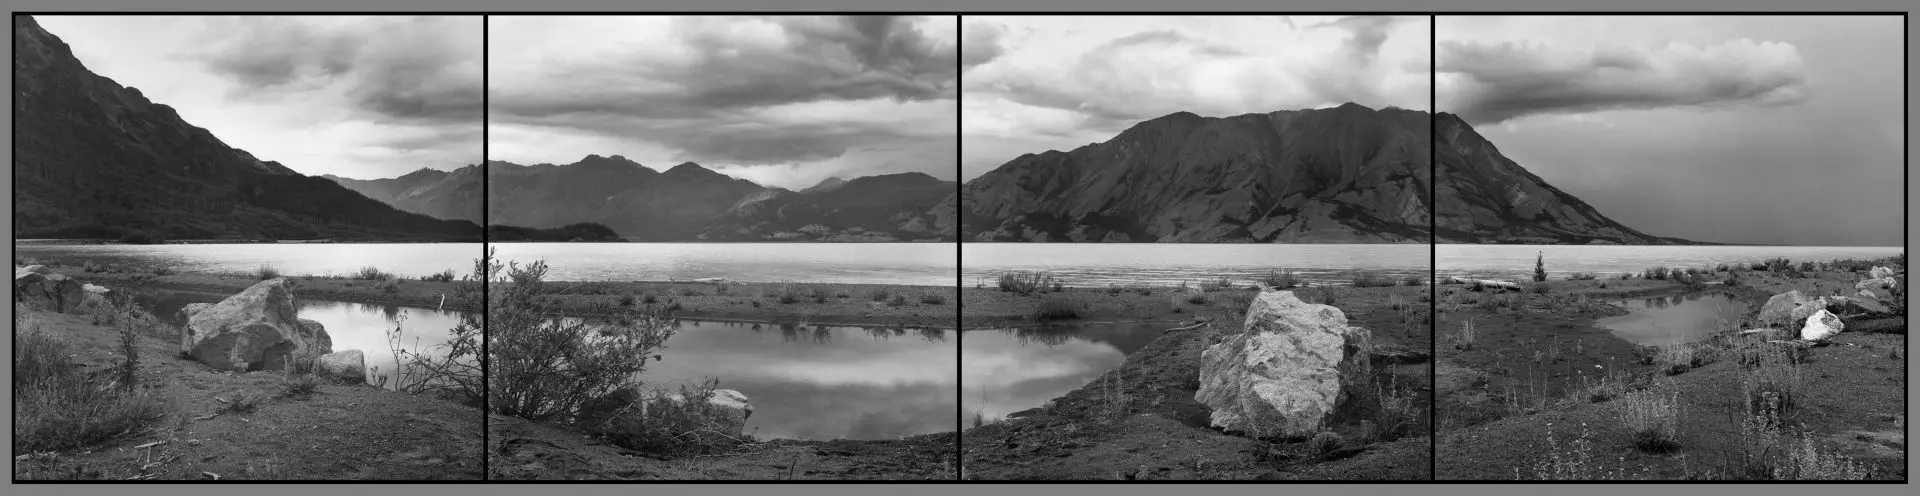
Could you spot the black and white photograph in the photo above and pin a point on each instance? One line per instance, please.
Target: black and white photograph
(244, 248)
(1195, 247)
(722, 247)
(1671, 248)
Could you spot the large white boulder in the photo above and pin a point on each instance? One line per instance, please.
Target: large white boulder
(349, 366)
(1821, 326)
(256, 329)
(1880, 273)
(1281, 375)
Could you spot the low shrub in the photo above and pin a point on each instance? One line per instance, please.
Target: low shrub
(371, 273)
(442, 276)
(265, 272)
(1370, 279)
(1056, 308)
(1652, 420)
(1281, 279)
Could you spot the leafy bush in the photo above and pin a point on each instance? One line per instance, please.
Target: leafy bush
(542, 366)
(933, 298)
(443, 276)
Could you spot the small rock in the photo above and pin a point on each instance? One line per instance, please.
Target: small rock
(350, 365)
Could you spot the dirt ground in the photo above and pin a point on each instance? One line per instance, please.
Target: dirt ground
(1140, 421)
(1532, 355)
(341, 432)
(522, 450)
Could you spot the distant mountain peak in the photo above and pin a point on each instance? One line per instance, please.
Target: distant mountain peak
(825, 185)
(688, 167)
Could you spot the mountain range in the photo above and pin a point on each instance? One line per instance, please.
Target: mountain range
(94, 159)
(1348, 174)
(689, 202)
(435, 193)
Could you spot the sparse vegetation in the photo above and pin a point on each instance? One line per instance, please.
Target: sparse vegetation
(1028, 282)
(1281, 279)
(265, 272)
(371, 273)
(57, 407)
(1652, 419)
(442, 276)
(1370, 279)
(1581, 276)
(933, 298)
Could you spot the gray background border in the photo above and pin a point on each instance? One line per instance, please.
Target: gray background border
(1059, 6)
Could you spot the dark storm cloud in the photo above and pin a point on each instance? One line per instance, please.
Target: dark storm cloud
(846, 58)
(415, 69)
(981, 44)
(706, 104)
(1505, 80)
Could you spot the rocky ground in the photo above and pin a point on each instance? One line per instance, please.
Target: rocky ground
(1536, 392)
(407, 292)
(336, 432)
(1141, 421)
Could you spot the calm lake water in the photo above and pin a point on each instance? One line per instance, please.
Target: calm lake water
(1091, 264)
(403, 259)
(352, 326)
(1682, 318)
(853, 263)
(1509, 262)
(821, 382)
(1009, 370)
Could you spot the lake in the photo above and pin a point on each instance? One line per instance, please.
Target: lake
(1681, 318)
(1513, 262)
(1009, 370)
(1101, 264)
(821, 382)
(408, 260)
(352, 326)
(928, 264)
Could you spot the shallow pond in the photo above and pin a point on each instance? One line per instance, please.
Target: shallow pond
(1681, 318)
(821, 382)
(1009, 370)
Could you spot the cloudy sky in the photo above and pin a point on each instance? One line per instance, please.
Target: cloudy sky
(363, 97)
(1033, 84)
(783, 101)
(1767, 130)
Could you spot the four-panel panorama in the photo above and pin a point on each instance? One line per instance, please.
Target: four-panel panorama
(958, 248)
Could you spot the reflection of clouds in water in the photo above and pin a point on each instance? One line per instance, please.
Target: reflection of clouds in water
(1003, 373)
(820, 382)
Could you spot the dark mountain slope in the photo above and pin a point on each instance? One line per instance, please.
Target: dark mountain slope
(93, 159)
(1348, 174)
(1485, 197)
